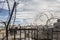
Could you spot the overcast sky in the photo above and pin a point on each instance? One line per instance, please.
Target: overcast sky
(29, 10)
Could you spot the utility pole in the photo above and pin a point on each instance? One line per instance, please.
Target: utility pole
(10, 20)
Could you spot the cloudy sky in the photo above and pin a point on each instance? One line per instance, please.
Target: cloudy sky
(29, 11)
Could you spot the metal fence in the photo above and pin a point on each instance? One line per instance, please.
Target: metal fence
(55, 34)
(24, 34)
(33, 34)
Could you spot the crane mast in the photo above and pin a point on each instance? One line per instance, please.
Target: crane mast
(10, 20)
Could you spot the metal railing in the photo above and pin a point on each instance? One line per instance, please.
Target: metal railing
(33, 34)
(55, 34)
(24, 33)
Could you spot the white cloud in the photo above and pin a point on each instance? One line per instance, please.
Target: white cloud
(37, 6)
(30, 8)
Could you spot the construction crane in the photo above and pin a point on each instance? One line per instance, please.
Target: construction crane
(10, 20)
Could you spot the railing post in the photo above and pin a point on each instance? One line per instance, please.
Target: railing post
(25, 34)
(57, 35)
(14, 34)
(52, 34)
(20, 32)
(37, 33)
